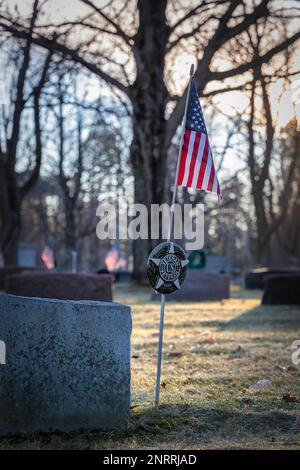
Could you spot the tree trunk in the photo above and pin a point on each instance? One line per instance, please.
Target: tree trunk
(69, 196)
(12, 195)
(149, 96)
(70, 225)
(258, 176)
(11, 230)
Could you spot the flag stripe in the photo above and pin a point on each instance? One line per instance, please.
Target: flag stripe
(203, 165)
(207, 171)
(186, 139)
(215, 185)
(193, 159)
(211, 178)
(188, 158)
(199, 160)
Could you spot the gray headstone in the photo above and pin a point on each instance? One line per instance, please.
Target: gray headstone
(217, 264)
(67, 365)
(199, 285)
(27, 255)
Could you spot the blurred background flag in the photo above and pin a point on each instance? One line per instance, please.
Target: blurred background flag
(112, 258)
(196, 166)
(47, 257)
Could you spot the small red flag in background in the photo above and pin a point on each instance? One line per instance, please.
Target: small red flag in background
(47, 257)
(196, 166)
(111, 258)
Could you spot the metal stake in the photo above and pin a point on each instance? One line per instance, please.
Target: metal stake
(160, 341)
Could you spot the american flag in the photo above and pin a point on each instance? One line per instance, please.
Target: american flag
(196, 166)
(47, 257)
(112, 258)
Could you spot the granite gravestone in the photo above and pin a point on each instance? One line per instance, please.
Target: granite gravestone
(67, 365)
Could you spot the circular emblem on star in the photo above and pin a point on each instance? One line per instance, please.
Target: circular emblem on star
(167, 267)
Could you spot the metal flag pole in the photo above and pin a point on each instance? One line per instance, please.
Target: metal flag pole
(171, 221)
(160, 341)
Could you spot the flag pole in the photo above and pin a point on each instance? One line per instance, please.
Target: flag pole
(171, 221)
(160, 341)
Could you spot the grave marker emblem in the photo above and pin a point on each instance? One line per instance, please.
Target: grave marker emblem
(167, 267)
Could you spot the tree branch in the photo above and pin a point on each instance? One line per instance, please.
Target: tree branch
(174, 119)
(19, 101)
(53, 45)
(194, 11)
(38, 151)
(118, 29)
(203, 74)
(256, 61)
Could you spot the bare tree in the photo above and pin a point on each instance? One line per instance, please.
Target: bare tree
(270, 199)
(70, 187)
(288, 234)
(12, 192)
(90, 167)
(157, 33)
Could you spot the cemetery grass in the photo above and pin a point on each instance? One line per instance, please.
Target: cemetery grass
(213, 353)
